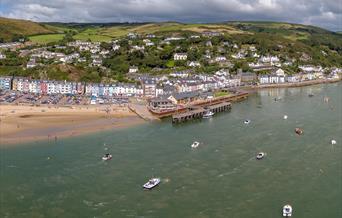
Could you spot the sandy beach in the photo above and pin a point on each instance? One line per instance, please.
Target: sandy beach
(23, 123)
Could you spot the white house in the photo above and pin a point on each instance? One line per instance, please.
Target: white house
(2, 56)
(180, 56)
(133, 69)
(220, 58)
(264, 79)
(194, 64)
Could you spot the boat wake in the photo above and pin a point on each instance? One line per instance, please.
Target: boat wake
(236, 168)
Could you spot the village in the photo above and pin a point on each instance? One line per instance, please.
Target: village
(188, 80)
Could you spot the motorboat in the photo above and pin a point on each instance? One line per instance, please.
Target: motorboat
(299, 131)
(287, 210)
(285, 117)
(311, 95)
(260, 155)
(333, 142)
(208, 114)
(195, 144)
(107, 157)
(153, 182)
(246, 121)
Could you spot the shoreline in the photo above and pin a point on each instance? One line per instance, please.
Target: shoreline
(20, 124)
(292, 85)
(28, 123)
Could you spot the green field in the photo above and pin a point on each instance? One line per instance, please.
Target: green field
(92, 34)
(47, 38)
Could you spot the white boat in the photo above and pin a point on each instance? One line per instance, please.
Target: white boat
(208, 114)
(107, 157)
(247, 121)
(285, 117)
(260, 155)
(195, 144)
(287, 210)
(153, 182)
(333, 142)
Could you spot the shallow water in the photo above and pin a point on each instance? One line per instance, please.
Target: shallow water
(221, 178)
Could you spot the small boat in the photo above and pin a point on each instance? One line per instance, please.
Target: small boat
(287, 210)
(260, 155)
(153, 182)
(107, 157)
(285, 117)
(298, 131)
(208, 114)
(333, 142)
(246, 121)
(195, 144)
(311, 95)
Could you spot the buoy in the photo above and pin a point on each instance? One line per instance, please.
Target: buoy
(333, 142)
(285, 117)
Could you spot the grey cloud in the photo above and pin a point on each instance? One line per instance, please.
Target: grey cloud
(325, 13)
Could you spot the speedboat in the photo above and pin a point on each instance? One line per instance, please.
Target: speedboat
(285, 117)
(208, 114)
(287, 210)
(246, 121)
(107, 157)
(153, 182)
(298, 131)
(260, 155)
(195, 144)
(333, 142)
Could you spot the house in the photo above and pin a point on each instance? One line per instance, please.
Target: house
(180, 56)
(115, 47)
(220, 58)
(5, 83)
(210, 34)
(181, 74)
(31, 63)
(2, 56)
(97, 62)
(161, 104)
(292, 78)
(159, 90)
(194, 64)
(264, 79)
(247, 77)
(43, 87)
(149, 88)
(133, 69)
(184, 97)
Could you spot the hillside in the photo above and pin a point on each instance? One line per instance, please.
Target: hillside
(12, 29)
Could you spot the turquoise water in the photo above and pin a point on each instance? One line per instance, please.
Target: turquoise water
(221, 178)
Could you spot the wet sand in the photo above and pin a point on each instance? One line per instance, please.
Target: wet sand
(19, 124)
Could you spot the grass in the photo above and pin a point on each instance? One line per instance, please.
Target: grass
(47, 38)
(220, 94)
(12, 27)
(92, 34)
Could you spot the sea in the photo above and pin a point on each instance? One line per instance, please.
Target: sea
(220, 178)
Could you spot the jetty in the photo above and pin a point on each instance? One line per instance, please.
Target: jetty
(197, 112)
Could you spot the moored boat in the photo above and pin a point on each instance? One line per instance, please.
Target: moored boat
(107, 157)
(260, 155)
(195, 144)
(208, 114)
(299, 131)
(287, 210)
(246, 121)
(153, 182)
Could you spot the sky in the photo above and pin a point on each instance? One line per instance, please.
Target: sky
(323, 13)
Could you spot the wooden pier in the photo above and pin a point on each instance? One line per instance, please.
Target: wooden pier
(198, 112)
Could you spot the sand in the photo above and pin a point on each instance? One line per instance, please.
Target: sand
(19, 124)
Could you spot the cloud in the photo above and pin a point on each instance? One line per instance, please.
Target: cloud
(325, 13)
